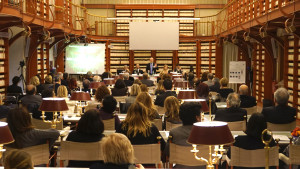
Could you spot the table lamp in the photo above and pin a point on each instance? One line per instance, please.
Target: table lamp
(5, 136)
(81, 97)
(212, 133)
(95, 85)
(54, 105)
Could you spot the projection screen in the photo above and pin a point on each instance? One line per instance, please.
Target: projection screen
(80, 58)
(153, 35)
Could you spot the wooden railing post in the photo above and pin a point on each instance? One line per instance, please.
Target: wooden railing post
(96, 28)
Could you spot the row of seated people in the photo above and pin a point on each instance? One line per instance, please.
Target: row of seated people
(137, 127)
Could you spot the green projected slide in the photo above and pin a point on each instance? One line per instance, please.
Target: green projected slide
(81, 59)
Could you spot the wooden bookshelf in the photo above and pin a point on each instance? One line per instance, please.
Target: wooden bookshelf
(142, 57)
(258, 72)
(4, 73)
(164, 57)
(119, 55)
(43, 60)
(187, 55)
(207, 56)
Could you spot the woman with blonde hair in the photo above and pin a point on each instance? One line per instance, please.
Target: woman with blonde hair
(138, 127)
(165, 69)
(36, 82)
(62, 91)
(224, 91)
(117, 153)
(146, 100)
(134, 91)
(159, 88)
(144, 88)
(171, 107)
(18, 159)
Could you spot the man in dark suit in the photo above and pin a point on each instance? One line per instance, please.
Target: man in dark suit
(151, 67)
(281, 113)
(137, 70)
(246, 101)
(146, 81)
(178, 69)
(160, 99)
(233, 112)
(14, 88)
(31, 97)
(126, 79)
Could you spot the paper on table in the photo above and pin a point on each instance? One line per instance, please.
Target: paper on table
(281, 137)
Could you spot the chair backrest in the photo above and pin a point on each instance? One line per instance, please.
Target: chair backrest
(253, 158)
(91, 106)
(90, 151)
(182, 155)
(170, 125)
(147, 153)
(251, 110)
(295, 154)
(39, 153)
(237, 125)
(124, 107)
(120, 98)
(109, 124)
(39, 124)
(281, 127)
(158, 123)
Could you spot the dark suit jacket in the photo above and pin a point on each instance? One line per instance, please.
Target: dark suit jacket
(160, 99)
(14, 89)
(154, 68)
(247, 101)
(178, 70)
(137, 71)
(147, 82)
(128, 82)
(119, 92)
(225, 92)
(31, 99)
(279, 114)
(230, 114)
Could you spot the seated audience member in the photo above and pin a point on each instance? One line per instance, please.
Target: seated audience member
(159, 88)
(126, 69)
(286, 151)
(109, 105)
(160, 99)
(18, 159)
(146, 100)
(224, 91)
(281, 113)
(190, 79)
(62, 91)
(117, 153)
(126, 79)
(172, 110)
(137, 70)
(146, 80)
(252, 140)
(56, 83)
(73, 85)
(144, 88)
(86, 85)
(204, 77)
(47, 93)
(209, 81)
(246, 101)
(48, 82)
(189, 113)
(89, 76)
(106, 75)
(65, 79)
(101, 92)
(89, 129)
(96, 78)
(14, 88)
(134, 91)
(165, 69)
(216, 86)
(120, 88)
(31, 98)
(178, 69)
(36, 82)
(137, 81)
(25, 135)
(138, 127)
(203, 92)
(233, 112)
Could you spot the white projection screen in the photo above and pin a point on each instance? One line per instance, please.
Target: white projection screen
(80, 59)
(153, 35)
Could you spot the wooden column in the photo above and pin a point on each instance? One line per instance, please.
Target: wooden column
(286, 61)
(295, 73)
(198, 58)
(219, 60)
(175, 59)
(107, 56)
(153, 54)
(131, 60)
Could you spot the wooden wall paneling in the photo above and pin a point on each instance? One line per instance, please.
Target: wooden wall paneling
(254, 65)
(286, 61)
(260, 73)
(32, 57)
(60, 59)
(175, 59)
(47, 62)
(268, 76)
(131, 60)
(153, 55)
(219, 59)
(107, 56)
(198, 58)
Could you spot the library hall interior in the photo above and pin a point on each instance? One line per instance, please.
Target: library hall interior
(135, 84)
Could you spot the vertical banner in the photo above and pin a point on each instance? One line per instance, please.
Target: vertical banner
(237, 72)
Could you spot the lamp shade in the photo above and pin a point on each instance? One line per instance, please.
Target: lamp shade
(210, 133)
(5, 134)
(204, 106)
(52, 104)
(95, 85)
(80, 96)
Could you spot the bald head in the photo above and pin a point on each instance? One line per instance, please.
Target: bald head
(30, 90)
(243, 90)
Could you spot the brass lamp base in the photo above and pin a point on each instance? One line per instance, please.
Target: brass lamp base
(210, 166)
